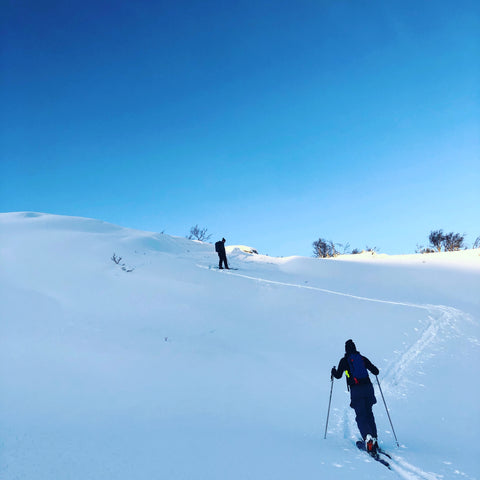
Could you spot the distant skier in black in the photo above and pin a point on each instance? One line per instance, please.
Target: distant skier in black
(362, 395)
(222, 256)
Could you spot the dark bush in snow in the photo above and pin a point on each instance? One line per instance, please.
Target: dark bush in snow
(324, 248)
(197, 233)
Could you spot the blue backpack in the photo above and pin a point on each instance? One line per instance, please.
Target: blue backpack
(357, 372)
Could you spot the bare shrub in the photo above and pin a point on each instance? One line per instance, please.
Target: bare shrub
(197, 233)
(324, 248)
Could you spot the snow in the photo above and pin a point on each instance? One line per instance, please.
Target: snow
(178, 370)
(241, 248)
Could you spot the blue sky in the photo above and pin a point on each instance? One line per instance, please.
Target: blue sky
(272, 123)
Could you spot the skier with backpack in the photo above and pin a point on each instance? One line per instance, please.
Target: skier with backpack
(222, 255)
(362, 395)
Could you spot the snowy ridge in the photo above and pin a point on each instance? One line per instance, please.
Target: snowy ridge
(177, 370)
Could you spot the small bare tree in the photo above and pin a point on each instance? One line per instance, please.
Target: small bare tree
(477, 243)
(324, 248)
(453, 242)
(116, 259)
(450, 242)
(197, 233)
(436, 239)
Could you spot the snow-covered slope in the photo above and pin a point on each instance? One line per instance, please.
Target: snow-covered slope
(162, 367)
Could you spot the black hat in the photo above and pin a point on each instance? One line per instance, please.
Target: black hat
(223, 240)
(350, 346)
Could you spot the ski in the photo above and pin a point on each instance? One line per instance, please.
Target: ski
(375, 456)
(383, 452)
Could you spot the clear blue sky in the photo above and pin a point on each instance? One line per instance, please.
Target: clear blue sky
(272, 123)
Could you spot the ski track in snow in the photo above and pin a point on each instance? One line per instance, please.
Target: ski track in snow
(442, 319)
(398, 464)
(324, 290)
(409, 471)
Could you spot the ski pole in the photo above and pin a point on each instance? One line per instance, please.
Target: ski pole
(386, 408)
(329, 402)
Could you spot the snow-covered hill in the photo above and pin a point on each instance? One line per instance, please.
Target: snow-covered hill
(162, 367)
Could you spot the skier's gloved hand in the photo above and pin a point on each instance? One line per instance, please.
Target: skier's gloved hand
(333, 372)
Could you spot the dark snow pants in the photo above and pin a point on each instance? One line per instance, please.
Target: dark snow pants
(362, 400)
(222, 258)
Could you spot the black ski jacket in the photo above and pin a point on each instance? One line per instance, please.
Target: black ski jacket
(343, 366)
(220, 248)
